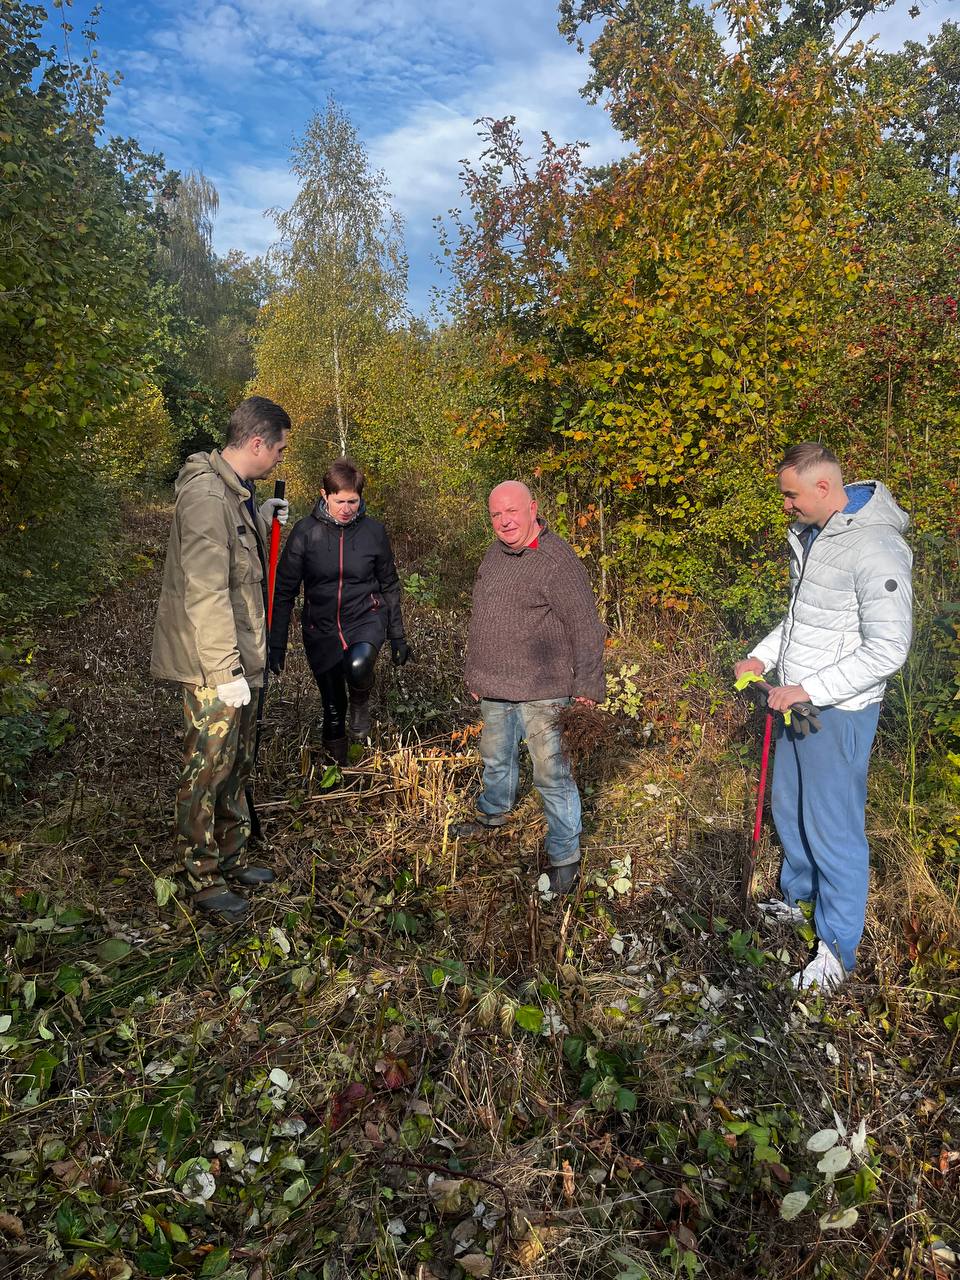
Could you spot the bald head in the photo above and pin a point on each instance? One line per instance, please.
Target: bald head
(513, 514)
(511, 489)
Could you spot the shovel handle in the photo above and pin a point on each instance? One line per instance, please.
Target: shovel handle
(279, 491)
(762, 784)
(806, 709)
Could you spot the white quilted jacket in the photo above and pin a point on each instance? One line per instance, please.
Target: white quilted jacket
(850, 620)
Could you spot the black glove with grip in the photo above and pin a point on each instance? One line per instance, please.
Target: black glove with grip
(400, 652)
(275, 661)
(803, 717)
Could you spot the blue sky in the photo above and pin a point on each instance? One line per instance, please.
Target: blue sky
(225, 85)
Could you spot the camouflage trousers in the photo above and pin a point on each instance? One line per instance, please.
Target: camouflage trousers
(213, 817)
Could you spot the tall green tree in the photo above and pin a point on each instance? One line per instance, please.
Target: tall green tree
(244, 285)
(213, 305)
(76, 307)
(185, 254)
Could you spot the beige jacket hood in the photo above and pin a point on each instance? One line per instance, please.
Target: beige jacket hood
(211, 625)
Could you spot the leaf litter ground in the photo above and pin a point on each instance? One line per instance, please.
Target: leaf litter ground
(409, 1062)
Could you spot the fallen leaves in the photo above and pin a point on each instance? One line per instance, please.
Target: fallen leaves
(394, 1072)
(345, 1103)
(476, 1264)
(567, 1182)
(446, 1194)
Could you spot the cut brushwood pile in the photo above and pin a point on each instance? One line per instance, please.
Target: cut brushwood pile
(408, 1062)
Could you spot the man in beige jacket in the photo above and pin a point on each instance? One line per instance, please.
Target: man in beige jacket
(211, 638)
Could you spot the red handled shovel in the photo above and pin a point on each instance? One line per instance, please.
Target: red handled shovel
(279, 491)
(803, 717)
(749, 876)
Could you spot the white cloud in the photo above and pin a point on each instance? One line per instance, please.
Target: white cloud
(247, 191)
(172, 118)
(421, 157)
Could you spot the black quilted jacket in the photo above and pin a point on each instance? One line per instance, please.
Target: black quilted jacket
(351, 591)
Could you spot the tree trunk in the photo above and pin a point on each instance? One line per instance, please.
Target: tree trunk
(337, 394)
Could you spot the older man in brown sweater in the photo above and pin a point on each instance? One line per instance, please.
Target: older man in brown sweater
(535, 644)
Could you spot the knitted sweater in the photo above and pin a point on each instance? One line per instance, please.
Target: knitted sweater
(534, 630)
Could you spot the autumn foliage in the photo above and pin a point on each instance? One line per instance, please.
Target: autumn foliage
(657, 332)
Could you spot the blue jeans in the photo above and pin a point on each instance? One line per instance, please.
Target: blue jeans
(504, 725)
(818, 799)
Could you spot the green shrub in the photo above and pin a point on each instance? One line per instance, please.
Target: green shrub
(26, 728)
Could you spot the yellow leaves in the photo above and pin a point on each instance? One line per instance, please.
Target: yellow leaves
(530, 1249)
(567, 1182)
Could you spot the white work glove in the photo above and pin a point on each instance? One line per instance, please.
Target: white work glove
(235, 693)
(275, 507)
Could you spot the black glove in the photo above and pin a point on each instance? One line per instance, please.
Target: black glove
(276, 660)
(805, 722)
(400, 651)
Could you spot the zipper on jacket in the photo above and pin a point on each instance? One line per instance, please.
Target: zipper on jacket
(791, 613)
(791, 617)
(340, 594)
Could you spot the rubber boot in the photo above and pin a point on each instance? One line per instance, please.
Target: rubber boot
(359, 722)
(564, 879)
(251, 877)
(219, 900)
(336, 749)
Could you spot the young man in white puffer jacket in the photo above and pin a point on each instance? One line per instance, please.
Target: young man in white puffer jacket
(847, 630)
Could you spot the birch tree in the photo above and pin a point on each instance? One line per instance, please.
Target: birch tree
(342, 285)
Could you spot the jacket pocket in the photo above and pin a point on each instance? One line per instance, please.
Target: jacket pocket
(245, 564)
(848, 738)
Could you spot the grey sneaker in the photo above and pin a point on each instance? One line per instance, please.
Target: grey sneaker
(782, 912)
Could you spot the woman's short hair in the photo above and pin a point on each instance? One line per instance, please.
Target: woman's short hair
(343, 474)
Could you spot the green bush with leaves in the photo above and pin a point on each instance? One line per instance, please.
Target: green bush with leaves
(26, 727)
(75, 302)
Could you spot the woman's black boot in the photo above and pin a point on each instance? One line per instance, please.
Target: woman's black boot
(360, 713)
(336, 749)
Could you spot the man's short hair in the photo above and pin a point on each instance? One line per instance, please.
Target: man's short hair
(256, 416)
(806, 456)
(343, 474)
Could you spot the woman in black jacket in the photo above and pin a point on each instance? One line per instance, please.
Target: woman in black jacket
(351, 602)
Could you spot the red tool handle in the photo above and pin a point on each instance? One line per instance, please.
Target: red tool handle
(279, 491)
(762, 785)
